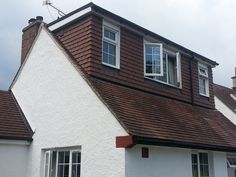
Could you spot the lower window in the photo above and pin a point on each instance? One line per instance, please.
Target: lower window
(62, 163)
(200, 165)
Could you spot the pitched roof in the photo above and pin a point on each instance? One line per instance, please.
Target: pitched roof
(154, 119)
(225, 95)
(13, 125)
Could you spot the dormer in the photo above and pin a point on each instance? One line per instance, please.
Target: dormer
(112, 48)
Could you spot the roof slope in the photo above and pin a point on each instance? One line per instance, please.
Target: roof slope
(12, 122)
(224, 94)
(153, 117)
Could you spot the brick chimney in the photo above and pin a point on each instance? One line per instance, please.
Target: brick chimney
(29, 34)
(234, 81)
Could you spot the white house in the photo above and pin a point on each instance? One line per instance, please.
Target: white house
(105, 97)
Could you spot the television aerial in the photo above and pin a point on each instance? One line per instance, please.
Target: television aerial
(49, 3)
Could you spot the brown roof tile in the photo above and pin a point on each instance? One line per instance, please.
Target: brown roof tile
(13, 125)
(224, 94)
(157, 118)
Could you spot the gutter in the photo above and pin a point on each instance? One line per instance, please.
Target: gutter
(131, 140)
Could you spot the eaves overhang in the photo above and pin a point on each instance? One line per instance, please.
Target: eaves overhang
(132, 140)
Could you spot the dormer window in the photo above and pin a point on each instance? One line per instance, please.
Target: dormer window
(111, 45)
(153, 59)
(203, 80)
(162, 65)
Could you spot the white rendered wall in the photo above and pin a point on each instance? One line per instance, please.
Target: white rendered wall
(66, 112)
(225, 110)
(13, 160)
(169, 162)
(219, 164)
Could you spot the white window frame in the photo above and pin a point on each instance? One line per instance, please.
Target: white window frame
(57, 155)
(198, 161)
(178, 65)
(231, 166)
(161, 58)
(205, 76)
(116, 30)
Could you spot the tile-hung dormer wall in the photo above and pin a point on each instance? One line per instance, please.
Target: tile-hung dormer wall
(112, 52)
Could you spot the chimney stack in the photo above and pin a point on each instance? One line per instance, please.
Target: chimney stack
(234, 81)
(29, 34)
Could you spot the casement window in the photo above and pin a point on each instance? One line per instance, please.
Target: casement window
(231, 162)
(162, 65)
(111, 45)
(203, 80)
(200, 165)
(62, 163)
(153, 59)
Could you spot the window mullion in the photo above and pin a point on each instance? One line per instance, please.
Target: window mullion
(57, 164)
(167, 68)
(70, 164)
(198, 164)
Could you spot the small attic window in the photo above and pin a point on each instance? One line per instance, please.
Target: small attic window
(203, 80)
(111, 45)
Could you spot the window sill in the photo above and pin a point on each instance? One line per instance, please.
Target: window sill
(112, 66)
(164, 83)
(203, 95)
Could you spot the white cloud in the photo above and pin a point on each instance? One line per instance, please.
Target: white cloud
(206, 27)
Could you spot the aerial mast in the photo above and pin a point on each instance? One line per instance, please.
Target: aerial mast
(49, 3)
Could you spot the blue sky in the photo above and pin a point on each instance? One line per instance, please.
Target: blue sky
(206, 27)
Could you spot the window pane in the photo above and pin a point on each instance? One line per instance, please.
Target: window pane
(204, 168)
(76, 157)
(112, 60)
(194, 165)
(172, 70)
(66, 171)
(76, 164)
(105, 58)
(60, 171)
(204, 171)
(47, 159)
(109, 34)
(164, 77)
(60, 157)
(148, 59)
(106, 33)
(113, 36)
(112, 49)
(74, 171)
(67, 156)
(105, 47)
(203, 157)
(109, 53)
(148, 49)
(202, 85)
(152, 53)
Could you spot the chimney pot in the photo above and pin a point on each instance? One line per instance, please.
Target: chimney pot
(32, 20)
(39, 18)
